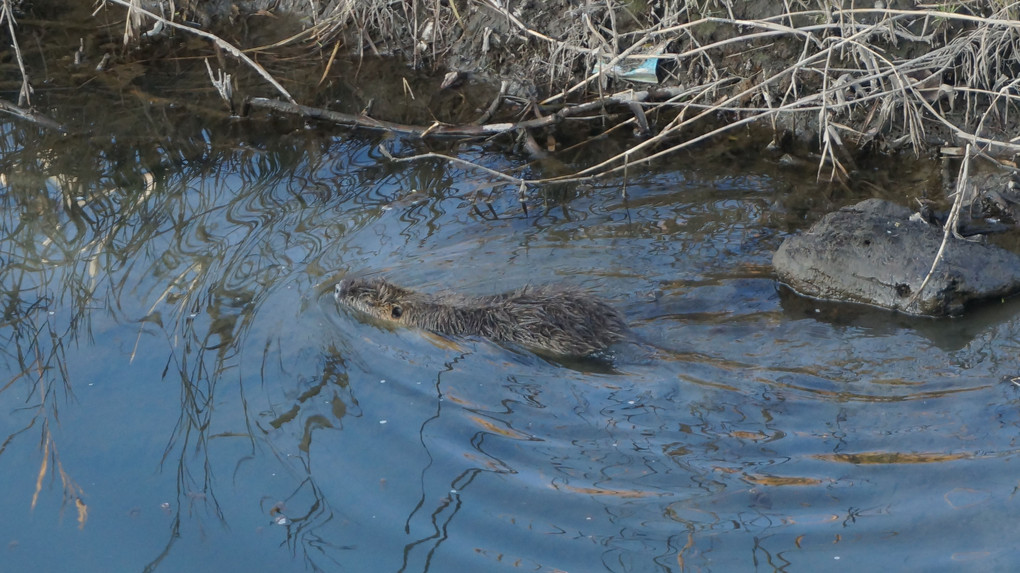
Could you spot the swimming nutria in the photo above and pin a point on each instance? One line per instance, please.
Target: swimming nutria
(550, 319)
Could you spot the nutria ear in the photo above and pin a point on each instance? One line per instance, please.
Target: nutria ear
(396, 311)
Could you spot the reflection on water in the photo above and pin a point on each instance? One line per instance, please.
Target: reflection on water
(177, 387)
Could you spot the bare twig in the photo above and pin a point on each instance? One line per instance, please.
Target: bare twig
(223, 85)
(949, 229)
(471, 164)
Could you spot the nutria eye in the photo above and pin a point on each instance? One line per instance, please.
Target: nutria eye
(396, 312)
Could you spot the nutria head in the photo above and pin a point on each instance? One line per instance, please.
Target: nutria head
(375, 297)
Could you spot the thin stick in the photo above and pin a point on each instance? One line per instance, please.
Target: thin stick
(949, 228)
(452, 159)
(496, 102)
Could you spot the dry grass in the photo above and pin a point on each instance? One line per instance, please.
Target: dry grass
(857, 77)
(880, 77)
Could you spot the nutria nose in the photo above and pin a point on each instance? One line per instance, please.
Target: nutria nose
(338, 290)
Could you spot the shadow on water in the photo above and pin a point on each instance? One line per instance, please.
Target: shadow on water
(176, 377)
(948, 334)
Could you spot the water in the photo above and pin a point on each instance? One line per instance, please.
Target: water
(179, 391)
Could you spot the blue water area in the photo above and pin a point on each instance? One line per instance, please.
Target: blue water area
(180, 392)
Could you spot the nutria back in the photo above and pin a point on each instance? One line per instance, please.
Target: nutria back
(552, 319)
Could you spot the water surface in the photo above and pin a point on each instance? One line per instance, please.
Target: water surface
(179, 393)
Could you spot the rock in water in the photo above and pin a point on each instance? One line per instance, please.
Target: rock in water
(873, 253)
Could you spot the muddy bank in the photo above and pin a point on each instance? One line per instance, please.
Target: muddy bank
(831, 82)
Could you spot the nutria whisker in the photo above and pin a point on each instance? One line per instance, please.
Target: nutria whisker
(552, 319)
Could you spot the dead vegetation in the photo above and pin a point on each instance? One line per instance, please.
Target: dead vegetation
(838, 78)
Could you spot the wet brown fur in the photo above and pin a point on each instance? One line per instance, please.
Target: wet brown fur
(551, 319)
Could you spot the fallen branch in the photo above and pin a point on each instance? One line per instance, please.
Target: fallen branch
(363, 121)
(437, 129)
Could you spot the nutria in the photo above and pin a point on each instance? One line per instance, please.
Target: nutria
(550, 319)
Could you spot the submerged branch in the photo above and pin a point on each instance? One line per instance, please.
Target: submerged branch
(29, 115)
(437, 129)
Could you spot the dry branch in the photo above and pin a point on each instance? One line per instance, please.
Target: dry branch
(363, 121)
(950, 228)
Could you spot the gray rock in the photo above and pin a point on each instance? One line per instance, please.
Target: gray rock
(873, 253)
